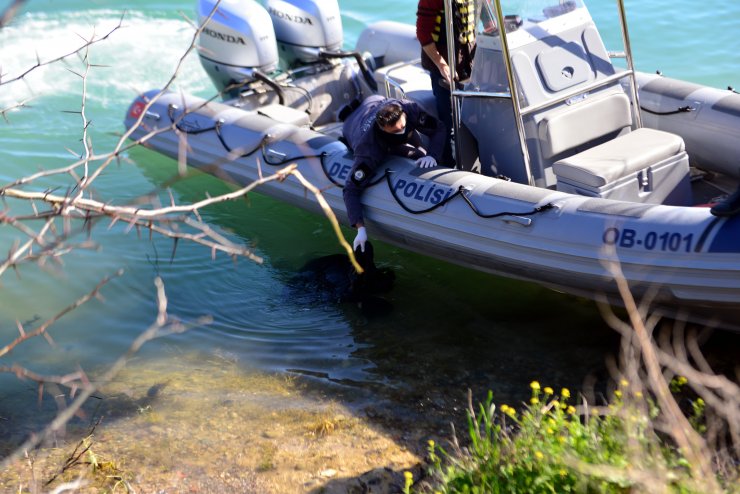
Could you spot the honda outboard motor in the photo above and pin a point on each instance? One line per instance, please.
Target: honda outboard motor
(310, 31)
(237, 45)
(303, 28)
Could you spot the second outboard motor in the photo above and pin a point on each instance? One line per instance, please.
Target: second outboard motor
(303, 28)
(310, 31)
(237, 45)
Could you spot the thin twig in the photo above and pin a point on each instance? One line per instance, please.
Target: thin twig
(26, 335)
(690, 443)
(52, 61)
(162, 326)
(9, 13)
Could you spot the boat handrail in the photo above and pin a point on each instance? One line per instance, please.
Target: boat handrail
(576, 92)
(545, 104)
(516, 104)
(481, 94)
(630, 66)
(391, 82)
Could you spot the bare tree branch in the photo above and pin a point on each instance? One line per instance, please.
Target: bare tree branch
(162, 326)
(68, 206)
(5, 111)
(135, 215)
(24, 335)
(71, 209)
(691, 444)
(86, 44)
(10, 12)
(72, 380)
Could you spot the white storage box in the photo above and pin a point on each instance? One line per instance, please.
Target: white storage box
(645, 165)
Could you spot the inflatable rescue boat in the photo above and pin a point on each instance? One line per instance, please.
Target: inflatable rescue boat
(566, 157)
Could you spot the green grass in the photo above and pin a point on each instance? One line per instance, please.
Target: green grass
(550, 446)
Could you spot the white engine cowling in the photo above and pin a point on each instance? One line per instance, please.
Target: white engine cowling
(303, 27)
(238, 40)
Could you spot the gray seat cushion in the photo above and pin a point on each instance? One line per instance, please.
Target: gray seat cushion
(583, 122)
(619, 157)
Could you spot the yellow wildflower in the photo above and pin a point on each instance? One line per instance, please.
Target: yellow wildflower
(409, 480)
(539, 455)
(565, 393)
(571, 410)
(534, 401)
(534, 385)
(618, 394)
(548, 390)
(624, 383)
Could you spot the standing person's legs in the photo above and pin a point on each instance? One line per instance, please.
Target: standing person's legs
(444, 113)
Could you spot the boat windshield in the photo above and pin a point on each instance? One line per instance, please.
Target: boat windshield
(534, 11)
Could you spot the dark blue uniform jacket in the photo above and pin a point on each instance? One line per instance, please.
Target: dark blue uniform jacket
(371, 145)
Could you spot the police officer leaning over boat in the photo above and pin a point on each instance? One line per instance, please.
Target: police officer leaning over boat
(379, 127)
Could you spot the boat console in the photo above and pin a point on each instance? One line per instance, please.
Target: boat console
(569, 113)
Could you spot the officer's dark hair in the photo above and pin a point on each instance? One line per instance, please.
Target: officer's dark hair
(388, 114)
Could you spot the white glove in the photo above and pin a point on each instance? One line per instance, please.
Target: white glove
(426, 162)
(360, 239)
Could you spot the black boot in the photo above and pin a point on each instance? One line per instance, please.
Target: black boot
(729, 207)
